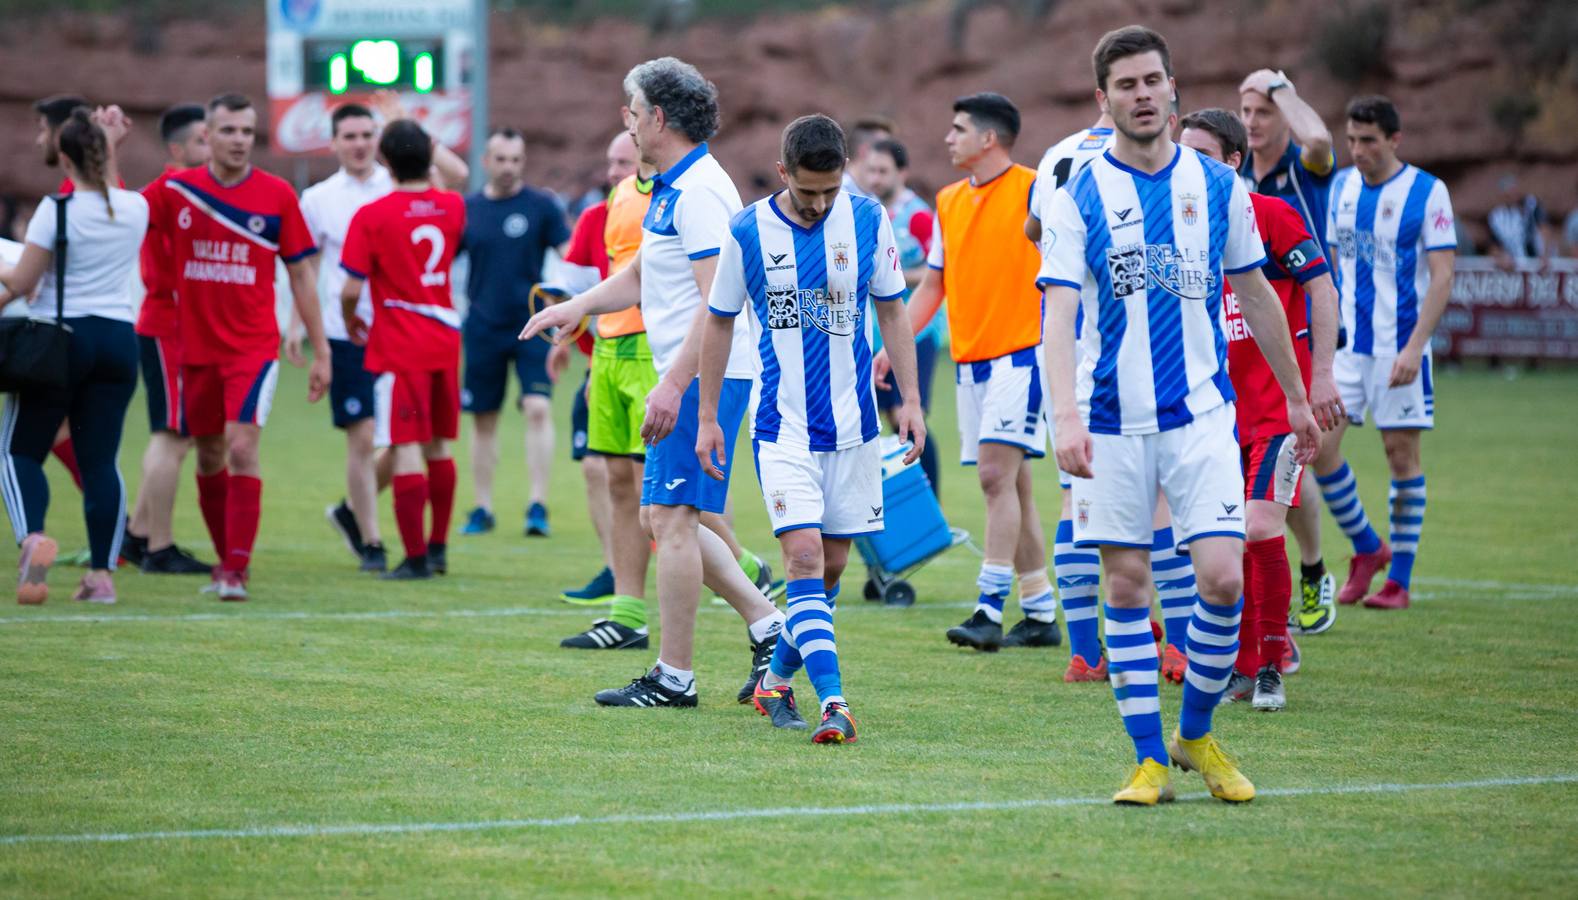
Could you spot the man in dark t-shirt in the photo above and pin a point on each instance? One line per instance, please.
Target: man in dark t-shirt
(509, 230)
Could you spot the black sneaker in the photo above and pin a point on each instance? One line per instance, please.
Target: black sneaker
(764, 579)
(606, 634)
(413, 569)
(343, 521)
(979, 632)
(1033, 633)
(761, 656)
(134, 549)
(778, 705)
(438, 558)
(647, 691)
(374, 558)
(838, 726)
(173, 560)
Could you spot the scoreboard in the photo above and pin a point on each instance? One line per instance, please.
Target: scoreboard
(324, 53)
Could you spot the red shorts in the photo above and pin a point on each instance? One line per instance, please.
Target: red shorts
(232, 391)
(416, 407)
(1270, 471)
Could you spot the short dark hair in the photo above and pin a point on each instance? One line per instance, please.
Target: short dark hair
(866, 131)
(508, 133)
(689, 101)
(813, 143)
(348, 111)
(230, 101)
(1131, 40)
(175, 120)
(1375, 110)
(57, 109)
(407, 149)
(991, 112)
(901, 156)
(1222, 125)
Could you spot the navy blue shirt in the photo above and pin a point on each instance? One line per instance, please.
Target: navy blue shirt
(1292, 181)
(506, 241)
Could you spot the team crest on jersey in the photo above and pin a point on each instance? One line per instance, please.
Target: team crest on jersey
(514, 225)
(780, 504)
(782, 310)
(1388, 209)
(1084, 513)
(662, 205)
(1282, 182)
(256, 224)
(841, 257)
(1191, 208)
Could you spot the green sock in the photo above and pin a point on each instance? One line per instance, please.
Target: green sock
(630, 612)
(750, 565)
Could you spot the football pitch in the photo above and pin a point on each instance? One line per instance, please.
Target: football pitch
(338, 735)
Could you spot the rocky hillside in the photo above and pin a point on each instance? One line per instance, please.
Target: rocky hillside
(1471, 109)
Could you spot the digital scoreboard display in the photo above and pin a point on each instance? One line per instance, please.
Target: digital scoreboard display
(341, 66)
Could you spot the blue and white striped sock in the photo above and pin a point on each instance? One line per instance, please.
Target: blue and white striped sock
(1036, 597)
(1213, 648)
(1078, 580)
(1132, 669)
(1408, 519)
(811, 625)
(1173, 575)
(1341, 491)
(786, 659)
(994, 582)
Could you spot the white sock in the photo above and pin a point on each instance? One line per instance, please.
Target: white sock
(675, 679)
(829, 701)
(767, 626)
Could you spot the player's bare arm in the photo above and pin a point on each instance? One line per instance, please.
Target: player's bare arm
(922, 307)
(1308, 128)
(664, 399)
(717, 338)
(1268, 325)
(619, 291)
(1033, 228)
(350, 294)
(304, 294)
(1074, 447)
(1441, 263)
(899, 343)
(1324, 400)
(21, 279)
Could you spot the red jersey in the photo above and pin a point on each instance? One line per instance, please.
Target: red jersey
(223, 243)
(588, 249)
(158, 316)
(1292, 259)
(403, 243)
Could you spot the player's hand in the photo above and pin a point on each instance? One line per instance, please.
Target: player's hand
(1074, 447)
(1257, 81)
(881, 369)
(1305, 431)
(550, 321)
(318, 378)
(294, 342)
(357, 330)
(114, 121)
(662, 412)
(388, 105)
(710, 449)
(910, 422)
(558, 361)
(1326, 402)
(1406, 367)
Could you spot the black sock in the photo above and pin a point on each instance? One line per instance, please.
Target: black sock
(1314, 571)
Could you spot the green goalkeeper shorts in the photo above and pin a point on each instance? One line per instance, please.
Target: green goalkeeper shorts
(622, 376)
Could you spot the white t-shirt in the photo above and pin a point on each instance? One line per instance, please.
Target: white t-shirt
(101, 253)
(688, 219)
(1061, 163)
(328, 207)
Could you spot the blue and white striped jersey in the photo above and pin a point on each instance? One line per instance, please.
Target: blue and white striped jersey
(1379, 236)
(808, 291)
(1148, 253)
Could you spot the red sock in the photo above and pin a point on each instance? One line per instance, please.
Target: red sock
(410, 502)
(1248, 643)
(1274, 586)
(67, 454)
(242, 512)
(441, 493)
(212, 492)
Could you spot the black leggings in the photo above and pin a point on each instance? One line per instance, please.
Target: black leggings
(103, 379)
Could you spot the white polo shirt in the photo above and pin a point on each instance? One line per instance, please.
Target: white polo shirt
(328, 207)
(687, 220)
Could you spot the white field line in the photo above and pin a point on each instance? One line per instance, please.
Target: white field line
(1466, 585)
(727, 815)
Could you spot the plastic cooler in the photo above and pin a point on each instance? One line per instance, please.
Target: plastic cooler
(914, 528)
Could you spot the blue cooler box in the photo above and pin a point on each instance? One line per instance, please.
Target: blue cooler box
(915, 529)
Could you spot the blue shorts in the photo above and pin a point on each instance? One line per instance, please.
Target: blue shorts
(672, 475)
(351, 391)
(489, 353)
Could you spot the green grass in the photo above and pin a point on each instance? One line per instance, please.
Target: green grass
(249, 719)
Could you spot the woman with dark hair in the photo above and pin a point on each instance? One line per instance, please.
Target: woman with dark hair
(104, 232)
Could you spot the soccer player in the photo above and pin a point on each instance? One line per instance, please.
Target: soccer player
(1290, 156)
(1140, 240)
(1390, 229)
(672, 110)
(1271, 474)
(809, 262)
(981, 263)
(864, 134)
(227, 223)
(402, 246)
(510, 227)
(150, 535)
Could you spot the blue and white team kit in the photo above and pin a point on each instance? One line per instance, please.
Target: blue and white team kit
(809, 291)
(1379, 237)
(1148, 252)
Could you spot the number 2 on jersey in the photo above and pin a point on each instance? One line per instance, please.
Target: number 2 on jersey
(431, 277)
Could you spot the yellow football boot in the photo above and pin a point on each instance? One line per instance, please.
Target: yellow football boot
(1208, 758)
(1148, 785)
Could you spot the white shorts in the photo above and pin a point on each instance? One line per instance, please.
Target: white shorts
(1001, 401)
(1197, 468)
(1363, 383)
(837, 492)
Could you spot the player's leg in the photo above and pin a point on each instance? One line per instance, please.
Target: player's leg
(65, 451)
(159, 475)
(1039, 626)
(1173, 575)
(486, 378)
(1355, 376)
(1403, 414)
(756, 569)
(1316, 599)
(1078, 572)
(531, 367)
(32, 419)
(361, 491)
(203, 400)
(410, 490)
(247, 388)
(98, 415)
(594, 474)
(442, 413)
(925, 371)
(997, 468)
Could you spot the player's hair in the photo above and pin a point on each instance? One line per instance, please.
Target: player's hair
(866, 131)
(1222, 125)
(688, 100)
(84, 143)
(1124, 42)
(232, 102)
(901, 156)
(508, 133)
(991, 112)
(813, 144)
(348, 111)
(407, 149)
(1375, 110)
(175, 121)
(57, 109)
